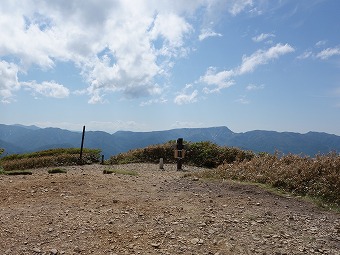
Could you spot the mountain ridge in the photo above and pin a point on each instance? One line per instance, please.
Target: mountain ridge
(22, 139)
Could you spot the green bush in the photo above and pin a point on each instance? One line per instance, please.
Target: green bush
(202, 154)
(150, 154)
(18, 172)
(47, 158)
(210, 155)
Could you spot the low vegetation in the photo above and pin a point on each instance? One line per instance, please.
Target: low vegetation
(317, 177)
(47, 158)
(57, 171)
(120, 171)
(202, 154)
(17, 172)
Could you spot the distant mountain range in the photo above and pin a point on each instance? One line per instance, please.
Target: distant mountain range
(22, 139)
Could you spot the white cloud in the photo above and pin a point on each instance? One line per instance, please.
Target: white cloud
(205, 33)
(161, 100)
(262, 57)
(305, 55)
(48, 89)
(255, 87)
(243, 100)
(224, 79)
(119, 46)
(8, 81)
(262, 37)
(217, 80)
(186, 98)
(238, 6)
(96, 97)
(329, 52)
(323, 55)
(171, 27)
(320, 43)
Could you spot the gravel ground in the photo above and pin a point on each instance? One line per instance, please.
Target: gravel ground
(155, 212)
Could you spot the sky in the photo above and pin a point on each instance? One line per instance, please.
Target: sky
(147, 65)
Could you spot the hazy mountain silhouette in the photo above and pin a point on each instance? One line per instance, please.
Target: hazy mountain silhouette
(20, 139)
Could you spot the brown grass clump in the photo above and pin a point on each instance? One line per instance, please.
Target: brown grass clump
(317, 177)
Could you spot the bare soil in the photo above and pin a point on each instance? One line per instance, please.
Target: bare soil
(155, 212)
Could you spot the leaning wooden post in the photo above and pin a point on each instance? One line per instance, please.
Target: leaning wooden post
(82, 145)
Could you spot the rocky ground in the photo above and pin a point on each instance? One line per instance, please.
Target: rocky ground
(155, 212)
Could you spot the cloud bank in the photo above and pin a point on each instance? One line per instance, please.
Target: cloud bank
(119, 46)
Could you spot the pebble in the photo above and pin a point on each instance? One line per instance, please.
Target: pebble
(156, 245)
(195, 240)
(53, 252)
(37, 250)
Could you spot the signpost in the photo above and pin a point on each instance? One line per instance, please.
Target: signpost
(179, 153)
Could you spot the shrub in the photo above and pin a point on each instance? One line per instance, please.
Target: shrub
(18, 172)
(202, 154)
(53, 157)
(150, 154)
(210, 155)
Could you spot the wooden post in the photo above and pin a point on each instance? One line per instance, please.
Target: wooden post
(82, 145)
(179, 153)
(161, 164)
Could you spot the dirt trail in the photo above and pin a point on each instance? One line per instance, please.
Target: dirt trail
(155, 212)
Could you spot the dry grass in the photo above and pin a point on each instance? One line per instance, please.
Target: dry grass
(317, 177)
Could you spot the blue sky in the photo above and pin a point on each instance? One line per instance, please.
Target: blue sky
(145, 65)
